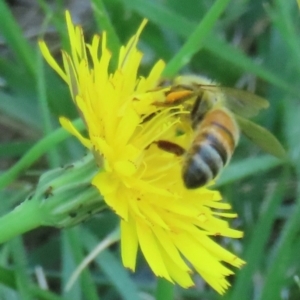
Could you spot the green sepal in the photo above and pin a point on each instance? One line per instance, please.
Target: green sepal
(63, 197)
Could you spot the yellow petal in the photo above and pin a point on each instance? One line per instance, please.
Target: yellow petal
(129, 244)
(167, 244)
(130, 48)
(127, 125)
(71, 75)
(125, 168)
(155, 74)
(105, 183)
(51, 61)
(200, 258)
(154, 216)
(220, 284)
(181, 277)
(220, 253)
(67, 124)
(151, 251)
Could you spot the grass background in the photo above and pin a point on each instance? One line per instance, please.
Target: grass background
(244, 43)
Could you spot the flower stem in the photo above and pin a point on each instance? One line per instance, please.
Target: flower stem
(23, 218)
(63, 197)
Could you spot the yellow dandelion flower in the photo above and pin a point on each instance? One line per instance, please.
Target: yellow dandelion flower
(142, 184)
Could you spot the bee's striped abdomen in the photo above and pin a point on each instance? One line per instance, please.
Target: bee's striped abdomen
(215, 139)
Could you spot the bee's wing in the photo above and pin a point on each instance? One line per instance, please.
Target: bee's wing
(262, 137)
(240, 102)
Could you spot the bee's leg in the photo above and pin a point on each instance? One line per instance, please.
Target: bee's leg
(170, 147)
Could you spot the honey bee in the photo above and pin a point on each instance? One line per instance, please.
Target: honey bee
(217, 115)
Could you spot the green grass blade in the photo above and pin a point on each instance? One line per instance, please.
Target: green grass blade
(163, 17)
(7, 277)
(255, 248)
(23, 281)
(285, 23)
(196, 40)
(242, 169)
(113, 269)
(164, 290)
(237, 58)
(105, 24)
(15, 39)
(277, 270)
(36, 152)
(53, 157)
(88, 286)
(41, 294)
(57, 18)
(17, 109)
(14, 148)
(69, 264)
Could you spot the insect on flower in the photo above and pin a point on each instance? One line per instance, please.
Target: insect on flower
(217, 115)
